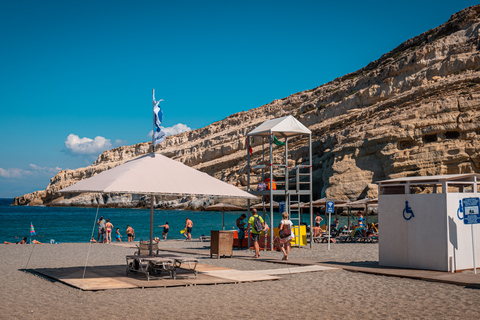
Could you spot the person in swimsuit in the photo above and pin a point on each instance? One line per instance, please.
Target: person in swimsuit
(108, 229)
(165, 227)
(118, 236)
(101, 229)
(130, 233)
(188, 227)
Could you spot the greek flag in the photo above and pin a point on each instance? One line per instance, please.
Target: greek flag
(158, 134)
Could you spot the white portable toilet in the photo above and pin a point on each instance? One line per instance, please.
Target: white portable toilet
(422, 225)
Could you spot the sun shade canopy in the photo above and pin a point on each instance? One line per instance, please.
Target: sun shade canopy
(287, 126)
(157, 175)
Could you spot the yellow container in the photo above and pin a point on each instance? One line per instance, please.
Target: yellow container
(302, 231)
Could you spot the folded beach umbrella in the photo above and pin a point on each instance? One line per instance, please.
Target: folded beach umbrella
(154, 174)
(222, 207)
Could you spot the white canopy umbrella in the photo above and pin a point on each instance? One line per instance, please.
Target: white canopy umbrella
(155, 174)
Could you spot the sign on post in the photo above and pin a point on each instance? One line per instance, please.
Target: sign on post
(471, 210)
(471, 216)
(330, 207)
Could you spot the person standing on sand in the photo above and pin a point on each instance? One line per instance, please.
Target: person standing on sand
(130, 233)
(101, 229)
(241, 231)
(118, 236)
(165, 227)
(318, 219)
(188, 227)
(255, 235)
(108, 230)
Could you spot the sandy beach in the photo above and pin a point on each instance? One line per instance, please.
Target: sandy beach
(335, 294)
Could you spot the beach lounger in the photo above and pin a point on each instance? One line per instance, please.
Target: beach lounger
(345, 236)
(205, 238)
(152, 267)
(186, 263)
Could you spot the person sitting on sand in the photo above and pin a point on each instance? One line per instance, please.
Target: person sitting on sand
(317, 231)
(93, 240)
(23, 241)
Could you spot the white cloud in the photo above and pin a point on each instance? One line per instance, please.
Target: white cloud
(87, 146)
(34, 171)
(173, 130)
(44, 170)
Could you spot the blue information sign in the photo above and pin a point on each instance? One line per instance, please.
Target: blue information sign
(471, 210)
(330, 207)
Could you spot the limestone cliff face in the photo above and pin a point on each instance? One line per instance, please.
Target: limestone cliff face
(414, 111)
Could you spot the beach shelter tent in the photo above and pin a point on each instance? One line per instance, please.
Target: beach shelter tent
(154, 174)
(222, 207)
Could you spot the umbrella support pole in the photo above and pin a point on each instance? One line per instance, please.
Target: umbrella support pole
(152, 204)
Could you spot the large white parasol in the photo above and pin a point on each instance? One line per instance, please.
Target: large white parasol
(155, 174)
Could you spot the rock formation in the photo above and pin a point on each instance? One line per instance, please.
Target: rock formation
(414, 111)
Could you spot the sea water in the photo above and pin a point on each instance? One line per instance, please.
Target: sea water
(77, 224)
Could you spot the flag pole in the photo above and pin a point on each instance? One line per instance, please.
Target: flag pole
(153, 132)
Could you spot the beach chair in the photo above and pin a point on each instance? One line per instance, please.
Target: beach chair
(185, 263)
(144, 248)
(151, 267)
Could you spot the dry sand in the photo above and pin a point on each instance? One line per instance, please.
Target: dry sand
(334, 294)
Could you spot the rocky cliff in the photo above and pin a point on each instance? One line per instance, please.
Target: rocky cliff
(414, 111)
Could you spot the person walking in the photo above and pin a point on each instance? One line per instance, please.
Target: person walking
(286, 228)
(118, 236)
(188, 228)
(257, 228)
(165, 227)
(240, 231)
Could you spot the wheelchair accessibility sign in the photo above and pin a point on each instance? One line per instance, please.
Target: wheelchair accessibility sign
(470, 210)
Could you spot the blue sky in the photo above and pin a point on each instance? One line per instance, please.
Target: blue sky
(76, 77)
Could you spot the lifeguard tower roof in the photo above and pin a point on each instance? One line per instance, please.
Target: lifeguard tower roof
(438, 178)
(286, 126)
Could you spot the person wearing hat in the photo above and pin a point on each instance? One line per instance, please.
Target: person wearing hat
(101, 229)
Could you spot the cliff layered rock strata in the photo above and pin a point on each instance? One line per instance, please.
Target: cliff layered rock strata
(414, 111)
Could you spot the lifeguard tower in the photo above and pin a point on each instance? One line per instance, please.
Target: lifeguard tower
(283, 178)
(423, 222)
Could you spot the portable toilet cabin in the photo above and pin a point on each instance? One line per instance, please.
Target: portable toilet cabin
(429, 222)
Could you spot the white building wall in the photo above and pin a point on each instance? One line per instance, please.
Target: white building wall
(420, 242)
(460, 235)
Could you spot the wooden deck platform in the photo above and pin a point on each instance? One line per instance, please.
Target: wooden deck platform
(114, 277)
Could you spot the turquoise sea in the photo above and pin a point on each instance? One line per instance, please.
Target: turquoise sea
(76, 224)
